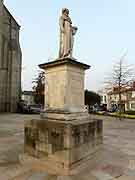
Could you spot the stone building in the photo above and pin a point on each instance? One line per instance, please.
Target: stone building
(10, 61)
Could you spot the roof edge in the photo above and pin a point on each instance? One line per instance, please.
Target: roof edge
(12, 16)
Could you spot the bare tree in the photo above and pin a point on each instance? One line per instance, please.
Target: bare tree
(122, 76)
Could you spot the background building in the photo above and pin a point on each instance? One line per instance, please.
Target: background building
(10, 61)
(104, 98)
(127, 98)
(110, 98)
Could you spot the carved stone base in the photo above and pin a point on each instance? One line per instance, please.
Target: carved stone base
(64, 144)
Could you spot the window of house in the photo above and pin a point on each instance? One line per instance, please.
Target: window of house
(133, 94)
(133, 106)
(105, 98)
(101, 98)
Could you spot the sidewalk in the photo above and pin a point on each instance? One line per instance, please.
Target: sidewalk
(116, 162)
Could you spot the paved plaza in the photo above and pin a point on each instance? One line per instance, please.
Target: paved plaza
(117, 159)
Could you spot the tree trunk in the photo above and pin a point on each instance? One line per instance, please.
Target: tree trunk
(120, 105)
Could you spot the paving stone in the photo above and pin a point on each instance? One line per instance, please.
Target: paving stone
(38, 176)
(129, 152)
(124, 177)
(113, 170)
(100, 175)
(64, 178)
(15, 171)
(78, 177)
(130, 172)
(23, 176)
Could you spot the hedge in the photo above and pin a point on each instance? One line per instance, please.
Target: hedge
(130, 112)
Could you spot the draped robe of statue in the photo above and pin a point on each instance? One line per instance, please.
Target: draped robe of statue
(67, 32)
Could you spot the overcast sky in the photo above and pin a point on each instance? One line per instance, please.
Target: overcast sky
(106, 29)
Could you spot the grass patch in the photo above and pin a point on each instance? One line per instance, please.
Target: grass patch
(116, 114)
(123, 115)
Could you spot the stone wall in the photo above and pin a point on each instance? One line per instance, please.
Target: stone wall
(10, 62)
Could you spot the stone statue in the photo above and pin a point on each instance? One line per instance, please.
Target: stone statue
(67, 32)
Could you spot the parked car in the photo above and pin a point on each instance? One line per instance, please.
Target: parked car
(93, 108)
(103, 107)
(35, 108)
(113, 108)
(22, 107)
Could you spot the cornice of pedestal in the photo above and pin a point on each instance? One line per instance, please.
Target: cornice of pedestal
(62, 61)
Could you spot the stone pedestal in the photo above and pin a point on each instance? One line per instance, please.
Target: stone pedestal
(65, 136)
(64, 90)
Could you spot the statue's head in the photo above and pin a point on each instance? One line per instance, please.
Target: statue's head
(65, 11)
